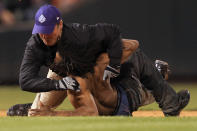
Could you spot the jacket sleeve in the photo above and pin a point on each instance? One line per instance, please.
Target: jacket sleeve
(111, 34)
(104, 36)
(29, 78)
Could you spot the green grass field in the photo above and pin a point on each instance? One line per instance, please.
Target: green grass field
(97, 124)
(13, 95)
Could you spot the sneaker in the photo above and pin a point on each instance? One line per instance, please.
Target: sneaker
(184, 97)
(163, 68)
(19, 110)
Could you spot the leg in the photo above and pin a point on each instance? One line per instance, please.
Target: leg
(48, 100)
(169, 101)
(44, 101)
(146, 95)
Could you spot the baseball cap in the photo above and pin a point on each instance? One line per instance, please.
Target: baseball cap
(46, 18)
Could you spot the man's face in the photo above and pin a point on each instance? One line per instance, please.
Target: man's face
(51, 39)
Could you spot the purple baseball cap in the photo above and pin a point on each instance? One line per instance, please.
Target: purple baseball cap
(45, 19)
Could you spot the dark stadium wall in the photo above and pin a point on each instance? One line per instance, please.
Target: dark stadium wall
(165, 29)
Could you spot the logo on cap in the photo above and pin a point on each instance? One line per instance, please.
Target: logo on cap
(42, 19)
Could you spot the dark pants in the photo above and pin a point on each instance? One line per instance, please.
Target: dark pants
(140, 72)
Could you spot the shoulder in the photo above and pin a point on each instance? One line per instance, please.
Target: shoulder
(35, 47)
(77, 27)
(35, 42)
(76, 33)
(73, 25)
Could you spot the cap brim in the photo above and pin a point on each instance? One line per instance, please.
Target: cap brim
(43, 29)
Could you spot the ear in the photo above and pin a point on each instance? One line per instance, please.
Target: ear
(61, 23)
(58, 58)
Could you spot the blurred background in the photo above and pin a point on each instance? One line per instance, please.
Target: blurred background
(166, 30)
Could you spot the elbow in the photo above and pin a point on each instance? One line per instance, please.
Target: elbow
(130, 45)
(23, 84)
(135, 44)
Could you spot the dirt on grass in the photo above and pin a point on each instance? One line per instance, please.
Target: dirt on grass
(144, 114)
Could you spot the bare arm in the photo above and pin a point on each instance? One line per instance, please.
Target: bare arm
(83, 102)
(129, 47)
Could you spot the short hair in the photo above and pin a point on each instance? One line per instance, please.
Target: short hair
(68, 67)
(72, 63)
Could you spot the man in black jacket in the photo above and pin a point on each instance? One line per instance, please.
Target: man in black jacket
(41, 48)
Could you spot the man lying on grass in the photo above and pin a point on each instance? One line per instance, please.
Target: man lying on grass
(139, 83)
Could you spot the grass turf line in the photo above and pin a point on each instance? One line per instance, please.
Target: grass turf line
(97, 124)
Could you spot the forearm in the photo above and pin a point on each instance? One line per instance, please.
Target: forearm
(36, 84)
(77, 112)
(114, 45)
(115, 51)
(82, 111)
(110, 37)
(129, 47)
(29, 79)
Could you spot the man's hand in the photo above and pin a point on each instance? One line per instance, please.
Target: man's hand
(68, 83)
(111, 72)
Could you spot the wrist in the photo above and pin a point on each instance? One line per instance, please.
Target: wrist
(117, 66)
(59, 85)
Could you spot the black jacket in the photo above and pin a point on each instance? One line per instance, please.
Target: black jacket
(82, 40)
